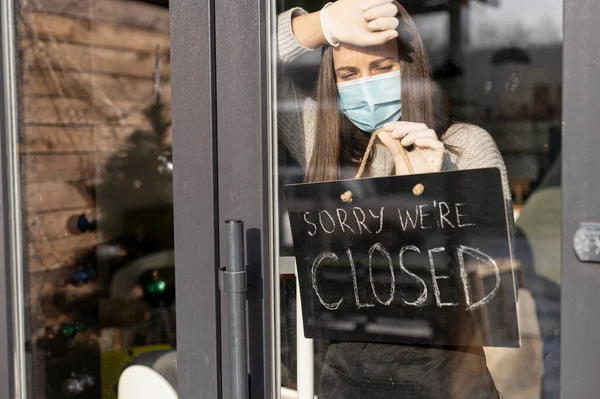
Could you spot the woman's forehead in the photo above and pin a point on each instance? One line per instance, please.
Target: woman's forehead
(348, 55)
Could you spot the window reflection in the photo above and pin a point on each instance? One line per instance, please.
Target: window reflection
(498, 65)
(95, 154)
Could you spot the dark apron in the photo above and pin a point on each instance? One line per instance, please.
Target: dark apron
(385, 371)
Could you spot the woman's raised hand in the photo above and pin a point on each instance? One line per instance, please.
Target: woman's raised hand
(428, 153)
(362, 22)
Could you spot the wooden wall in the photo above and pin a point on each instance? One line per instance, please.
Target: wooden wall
(86, 74)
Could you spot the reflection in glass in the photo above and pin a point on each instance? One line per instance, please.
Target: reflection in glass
(496, 65)
(95, 153)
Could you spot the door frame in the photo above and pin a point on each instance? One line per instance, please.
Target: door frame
(580, 298)
(222, 146)
(13, 372)
(195, 198)
(244, 152)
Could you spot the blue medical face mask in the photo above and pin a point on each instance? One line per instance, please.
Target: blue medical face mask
(371, 102)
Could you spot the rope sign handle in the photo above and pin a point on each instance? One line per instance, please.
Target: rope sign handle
(417, 189)
(363, 162)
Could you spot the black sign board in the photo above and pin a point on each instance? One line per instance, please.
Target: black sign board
(422, 259)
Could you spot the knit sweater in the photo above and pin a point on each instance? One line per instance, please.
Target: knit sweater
(353, 369)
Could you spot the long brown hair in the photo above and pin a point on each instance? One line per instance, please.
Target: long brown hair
(338, 143)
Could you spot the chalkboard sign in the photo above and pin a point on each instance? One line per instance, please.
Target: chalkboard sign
(421, 259)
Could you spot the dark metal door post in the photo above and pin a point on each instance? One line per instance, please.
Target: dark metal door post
(580, 298)
(195, 205)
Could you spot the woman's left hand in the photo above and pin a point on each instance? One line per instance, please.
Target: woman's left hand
(428, 153)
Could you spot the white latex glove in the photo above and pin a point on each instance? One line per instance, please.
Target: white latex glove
(428, 153)
(362, 22)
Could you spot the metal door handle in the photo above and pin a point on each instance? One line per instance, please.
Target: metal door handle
(233, 283)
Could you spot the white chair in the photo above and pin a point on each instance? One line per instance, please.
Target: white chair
(152, 375)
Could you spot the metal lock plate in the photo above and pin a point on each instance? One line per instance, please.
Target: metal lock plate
(586, 242)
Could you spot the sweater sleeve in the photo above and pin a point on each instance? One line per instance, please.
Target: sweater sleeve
(288, 47)
(477, 149)
(296, 112)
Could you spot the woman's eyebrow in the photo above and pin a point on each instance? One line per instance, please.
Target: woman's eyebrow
(379, 61)
(345, 68)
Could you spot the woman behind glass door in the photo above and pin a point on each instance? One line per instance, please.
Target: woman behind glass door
(375, 76)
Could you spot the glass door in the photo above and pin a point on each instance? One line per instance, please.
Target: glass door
(88, 199)
(493, 65)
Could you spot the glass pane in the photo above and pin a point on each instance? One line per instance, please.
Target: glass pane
(495, 87)
(95, 153)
